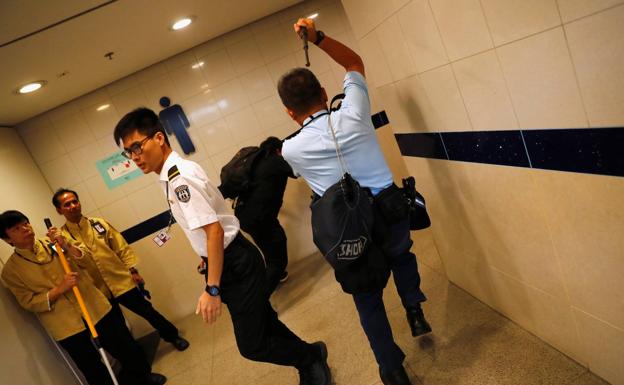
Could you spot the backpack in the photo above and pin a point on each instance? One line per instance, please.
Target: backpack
(236, 174)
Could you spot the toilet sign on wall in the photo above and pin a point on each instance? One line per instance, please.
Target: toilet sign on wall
(117, 170)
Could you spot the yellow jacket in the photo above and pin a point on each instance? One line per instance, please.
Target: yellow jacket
(110, 255)
(31, 275)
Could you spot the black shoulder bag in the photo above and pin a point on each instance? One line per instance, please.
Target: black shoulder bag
(342, 227)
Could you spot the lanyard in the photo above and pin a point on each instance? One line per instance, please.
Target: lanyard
(170, 212)
(313, 118)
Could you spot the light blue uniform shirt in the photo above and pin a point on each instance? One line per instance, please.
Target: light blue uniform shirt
(312, 152)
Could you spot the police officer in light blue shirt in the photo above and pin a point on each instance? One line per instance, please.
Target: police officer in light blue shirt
(312, 152)
(313, 155)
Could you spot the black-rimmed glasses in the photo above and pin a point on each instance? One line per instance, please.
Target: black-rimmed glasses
(135, 148)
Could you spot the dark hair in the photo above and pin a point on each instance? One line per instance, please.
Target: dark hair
(143, 120)
(299, 90)
(58, 193)
(9, 219)
(271, 144)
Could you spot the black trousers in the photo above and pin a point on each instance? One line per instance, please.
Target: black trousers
(260, 335)
(271, 239)
(370, 306)
(135, 302)
(116, 340)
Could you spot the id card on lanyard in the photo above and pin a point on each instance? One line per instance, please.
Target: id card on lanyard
(97, 226)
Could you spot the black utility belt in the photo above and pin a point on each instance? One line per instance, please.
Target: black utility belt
(392, 204)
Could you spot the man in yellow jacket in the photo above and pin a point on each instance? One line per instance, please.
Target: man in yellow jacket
(35, 276)
(112, 263)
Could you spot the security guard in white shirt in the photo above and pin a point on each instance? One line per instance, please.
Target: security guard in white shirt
(235, 269)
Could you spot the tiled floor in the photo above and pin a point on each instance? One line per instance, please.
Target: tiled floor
(470, 343)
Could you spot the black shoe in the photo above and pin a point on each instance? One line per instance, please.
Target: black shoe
(396, 377)
(155, 379)
(180, 343)
(318, 372)
(417, 322)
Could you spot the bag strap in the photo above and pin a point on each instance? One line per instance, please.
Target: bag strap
(343, 164)
(346, 181)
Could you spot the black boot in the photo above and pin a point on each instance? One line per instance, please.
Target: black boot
(180, 343)
(417, 322)
(318, 372)
(155, 379)
(396, 377)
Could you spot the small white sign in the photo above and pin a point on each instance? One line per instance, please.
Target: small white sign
(122, 169)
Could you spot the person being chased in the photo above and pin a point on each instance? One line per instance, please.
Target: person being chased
(257, 208)
(235, 269)
(312, 154)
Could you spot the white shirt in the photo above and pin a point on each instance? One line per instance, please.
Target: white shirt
(195, 202)
(312, 152)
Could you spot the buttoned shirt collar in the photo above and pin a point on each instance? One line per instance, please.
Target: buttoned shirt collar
(38, 255)
(77, 226)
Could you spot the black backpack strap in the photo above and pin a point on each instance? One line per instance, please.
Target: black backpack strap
(334, 100)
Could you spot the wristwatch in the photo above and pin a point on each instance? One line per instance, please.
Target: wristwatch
(213, 291)
(320, 35)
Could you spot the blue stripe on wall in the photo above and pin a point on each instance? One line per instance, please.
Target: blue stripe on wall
(593, 151)
(145, 228)
(426, 145)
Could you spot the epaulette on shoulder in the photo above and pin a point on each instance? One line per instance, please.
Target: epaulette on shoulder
(173, 172)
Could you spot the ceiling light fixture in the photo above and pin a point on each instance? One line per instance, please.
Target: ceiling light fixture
(182, 23)
(197, 65)
(103, 107)
(313, 16)
(31, 87)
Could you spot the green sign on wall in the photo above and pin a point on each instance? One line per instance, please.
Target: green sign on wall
(117, 170)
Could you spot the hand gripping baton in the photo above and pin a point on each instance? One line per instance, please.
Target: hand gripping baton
(303, 32)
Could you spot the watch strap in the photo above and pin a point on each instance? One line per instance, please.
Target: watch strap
(320, 35)
(213, 290)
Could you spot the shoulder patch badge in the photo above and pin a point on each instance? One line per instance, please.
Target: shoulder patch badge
(172, 173)
(183, 193)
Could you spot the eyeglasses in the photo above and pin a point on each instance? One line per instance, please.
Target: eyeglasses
(135, 148)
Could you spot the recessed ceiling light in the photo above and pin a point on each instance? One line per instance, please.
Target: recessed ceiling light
(182, 23)
(197, 65)
(31, 87)
(313, 16)
(103, 107)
